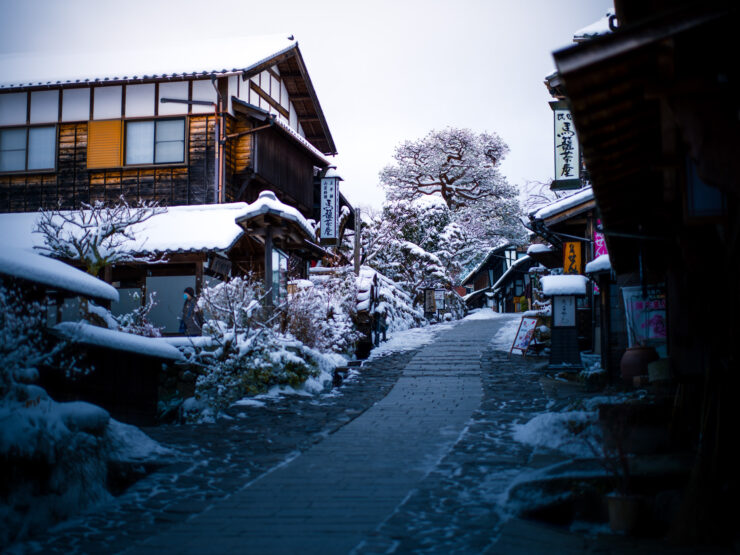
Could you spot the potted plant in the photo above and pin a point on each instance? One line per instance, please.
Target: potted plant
(612, 454)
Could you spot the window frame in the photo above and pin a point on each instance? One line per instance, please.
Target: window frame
(27, 128)
(154, 163)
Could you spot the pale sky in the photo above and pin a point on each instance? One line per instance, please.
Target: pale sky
(384, 71)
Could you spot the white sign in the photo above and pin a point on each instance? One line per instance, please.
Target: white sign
(564, 311)
(329, 208)
(567, 156)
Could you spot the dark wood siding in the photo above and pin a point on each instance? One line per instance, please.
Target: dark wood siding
(286, 166)
(73, 183)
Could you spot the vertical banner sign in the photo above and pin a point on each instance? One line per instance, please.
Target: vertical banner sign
(572, 257)
(329, 210)
(567, 155)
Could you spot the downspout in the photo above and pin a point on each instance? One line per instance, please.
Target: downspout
(220, 142)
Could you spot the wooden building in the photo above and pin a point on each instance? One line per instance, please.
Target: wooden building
(480, 280)
(655, 105)
(209, 123)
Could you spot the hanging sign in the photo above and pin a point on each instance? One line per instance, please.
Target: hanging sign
(329, 210)
(572, 257)
(567, 152)
(430, 302)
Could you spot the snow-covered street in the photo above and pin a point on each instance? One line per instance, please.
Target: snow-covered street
(454, 464)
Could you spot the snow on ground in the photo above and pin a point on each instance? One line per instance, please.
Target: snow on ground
(410, 339)
(503, 340)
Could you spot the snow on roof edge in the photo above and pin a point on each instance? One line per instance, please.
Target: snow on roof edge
(88, 334)
(583, 195)
(36, 268)
(568, 284)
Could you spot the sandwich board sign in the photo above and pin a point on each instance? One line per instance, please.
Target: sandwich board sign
(524, 335)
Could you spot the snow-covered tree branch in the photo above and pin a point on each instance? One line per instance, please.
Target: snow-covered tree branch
(95, 235)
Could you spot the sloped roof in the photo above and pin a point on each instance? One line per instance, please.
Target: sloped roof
(33, 267)
(485, 260)
(582, 196)
(180, 229)
(190, 58)
(245, 56)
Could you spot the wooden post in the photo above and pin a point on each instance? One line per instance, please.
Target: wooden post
(358, 242)
(268, 267)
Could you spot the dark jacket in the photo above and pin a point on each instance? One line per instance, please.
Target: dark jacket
(191, 319)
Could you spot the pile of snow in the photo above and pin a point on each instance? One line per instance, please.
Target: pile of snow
(599, 264)
(564, 285)
(572, 432)
(27, 265)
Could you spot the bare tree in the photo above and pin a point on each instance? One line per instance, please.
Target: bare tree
(96, 235)
(537, 194)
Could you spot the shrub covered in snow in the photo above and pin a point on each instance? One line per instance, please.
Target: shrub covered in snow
(53, 456)
(321, 312)
(249, 354)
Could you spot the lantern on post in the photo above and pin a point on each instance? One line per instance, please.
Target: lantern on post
(330, 207)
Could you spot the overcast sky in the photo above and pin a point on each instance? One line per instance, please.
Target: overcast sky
(384, 71)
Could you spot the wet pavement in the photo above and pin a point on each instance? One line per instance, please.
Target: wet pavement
(412, 454)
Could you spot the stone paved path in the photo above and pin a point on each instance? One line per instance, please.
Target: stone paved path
(329, 498)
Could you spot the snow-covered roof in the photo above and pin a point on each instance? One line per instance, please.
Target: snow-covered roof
(564, 285)
(600, 27)
(599, 264)
(20, 263)
(514, 266)
(537, 248)
(190, 57)
(561, 205)
(483, 262)
(196, 228)
(80, 332)
(268, 203)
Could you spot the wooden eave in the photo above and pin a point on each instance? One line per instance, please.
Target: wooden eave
(570, 213)
(294, 74)
(287, 235)
(624, 130)
(263, 117)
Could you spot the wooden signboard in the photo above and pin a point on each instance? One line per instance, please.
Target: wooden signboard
(524, 335)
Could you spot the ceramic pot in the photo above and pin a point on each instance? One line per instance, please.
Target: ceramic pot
(623, 512)
(635, 362)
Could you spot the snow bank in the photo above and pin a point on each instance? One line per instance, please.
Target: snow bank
(599, 264)
(92, 335)
(564, 285)
(24, 264)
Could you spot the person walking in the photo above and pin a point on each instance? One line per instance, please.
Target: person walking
(191, 319)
